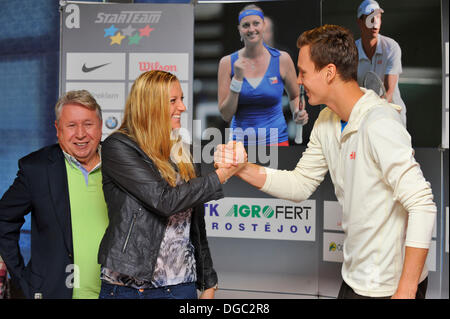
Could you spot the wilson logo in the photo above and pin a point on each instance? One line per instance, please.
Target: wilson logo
(149, 66)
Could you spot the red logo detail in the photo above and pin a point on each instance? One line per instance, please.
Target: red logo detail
(149, 66)
(273, 80)
(145, 32)
(352, 155)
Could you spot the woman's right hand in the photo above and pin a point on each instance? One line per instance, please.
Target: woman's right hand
(239, 67)
(229, 159)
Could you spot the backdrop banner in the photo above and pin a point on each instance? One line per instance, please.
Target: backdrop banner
(105, 47)
(261, 218)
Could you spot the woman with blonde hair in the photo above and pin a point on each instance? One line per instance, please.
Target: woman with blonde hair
(155, 245)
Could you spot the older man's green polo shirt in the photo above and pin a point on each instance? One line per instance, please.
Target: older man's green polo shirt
(89, 217)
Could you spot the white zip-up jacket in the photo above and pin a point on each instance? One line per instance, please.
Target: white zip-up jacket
(386, 201)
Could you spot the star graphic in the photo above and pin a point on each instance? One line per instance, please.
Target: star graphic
(128, 31)
(110, 31)
(145, 32)
(134, 39)
(117, 39)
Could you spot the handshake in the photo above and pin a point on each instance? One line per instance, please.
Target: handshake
(229, 159)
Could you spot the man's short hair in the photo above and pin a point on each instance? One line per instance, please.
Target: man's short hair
(81, 97)
(332, 44)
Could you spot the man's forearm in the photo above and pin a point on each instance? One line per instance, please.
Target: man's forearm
(390, 82)
(412, 269)
(253, 174)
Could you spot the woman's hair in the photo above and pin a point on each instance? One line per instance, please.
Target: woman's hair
(332, 44)
(80, 97)
(251, 7)
(147, 121)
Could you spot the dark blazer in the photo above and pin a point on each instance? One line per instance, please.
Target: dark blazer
(40, 188)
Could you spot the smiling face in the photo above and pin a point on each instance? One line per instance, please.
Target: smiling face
(313, 80)
(176, 104)
(79, 131)
(251, 28)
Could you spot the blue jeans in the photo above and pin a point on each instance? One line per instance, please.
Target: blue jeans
(181, 291)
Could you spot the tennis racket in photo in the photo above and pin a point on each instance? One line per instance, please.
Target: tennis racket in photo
(299, 127)
(373, 82)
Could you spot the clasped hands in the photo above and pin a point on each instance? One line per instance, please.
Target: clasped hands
(229, 159)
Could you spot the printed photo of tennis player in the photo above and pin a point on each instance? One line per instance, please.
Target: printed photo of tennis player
(259, 101)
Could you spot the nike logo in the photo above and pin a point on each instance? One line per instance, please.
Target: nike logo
(85, 69)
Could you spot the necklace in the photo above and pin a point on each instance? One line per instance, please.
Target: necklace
(252, 63)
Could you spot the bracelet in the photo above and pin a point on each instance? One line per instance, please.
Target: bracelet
(236, 85)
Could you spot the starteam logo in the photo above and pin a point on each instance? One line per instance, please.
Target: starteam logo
(128, 25)
(129, 17)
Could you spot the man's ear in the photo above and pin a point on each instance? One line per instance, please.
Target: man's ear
(56, 126)
(330, 72)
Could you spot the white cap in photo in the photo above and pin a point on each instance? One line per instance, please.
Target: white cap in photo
(367, 7)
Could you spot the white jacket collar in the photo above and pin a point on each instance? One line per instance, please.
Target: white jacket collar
(367, 102)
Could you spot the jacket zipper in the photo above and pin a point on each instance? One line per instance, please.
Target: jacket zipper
(203, 273)
(129, 232)
(202, 256)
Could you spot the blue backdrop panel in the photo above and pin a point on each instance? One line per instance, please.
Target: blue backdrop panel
(29, 66)
(29, 44)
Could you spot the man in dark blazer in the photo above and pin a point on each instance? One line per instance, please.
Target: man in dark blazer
(41, 187)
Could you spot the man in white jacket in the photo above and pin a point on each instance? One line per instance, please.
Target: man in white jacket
(388, 208)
